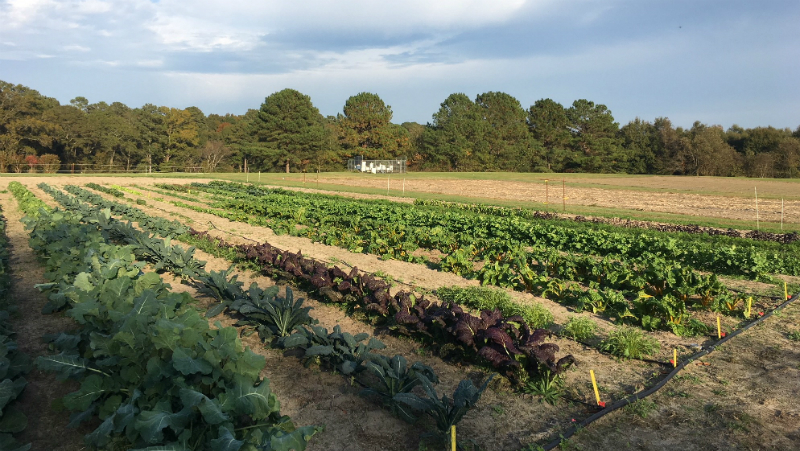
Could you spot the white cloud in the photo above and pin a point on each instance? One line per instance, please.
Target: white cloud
(76, 48)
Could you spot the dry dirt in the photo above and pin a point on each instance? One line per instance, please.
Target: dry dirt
(745, 398)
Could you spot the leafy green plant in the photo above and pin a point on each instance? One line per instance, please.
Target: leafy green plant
(445, 412)
(271, 314)
(199, 388)
(579, 328)
(629, 343)
(547, 386)
(794, 335)
(394, 376)
(337, 350)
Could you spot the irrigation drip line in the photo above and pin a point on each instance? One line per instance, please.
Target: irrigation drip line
(645, 393)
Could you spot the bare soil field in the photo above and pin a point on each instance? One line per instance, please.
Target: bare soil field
(742, 396)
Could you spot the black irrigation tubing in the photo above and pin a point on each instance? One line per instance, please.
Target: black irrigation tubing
(645, 393)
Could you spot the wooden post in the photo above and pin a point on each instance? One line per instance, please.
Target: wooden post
(757, 225)
(304, 177)
(781, 214)
(259, 176)
(404, 186)
(388, 181)
(564, 195)
(317, 178)
(546, 192)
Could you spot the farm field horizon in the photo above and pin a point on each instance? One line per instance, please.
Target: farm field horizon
(740, 396)
(725, 202)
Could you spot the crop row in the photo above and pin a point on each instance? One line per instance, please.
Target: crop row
(14, 365)
(648, 290)
(445, 228)
(149, 366)
(491, 332)
(284, 323)
(783, 238)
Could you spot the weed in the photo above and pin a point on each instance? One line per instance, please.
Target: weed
(549, 388)
(719, 392)
(580, 328)
(629, 343)
(689, 378)
(483, 298)
(642, 408)
(678, 394)
(794, 335)
(532, 447)
(497, 411)
(711, 408)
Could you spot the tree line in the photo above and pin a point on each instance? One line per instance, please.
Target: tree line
(493, 132)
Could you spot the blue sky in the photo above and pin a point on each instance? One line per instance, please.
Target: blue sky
(716, 61)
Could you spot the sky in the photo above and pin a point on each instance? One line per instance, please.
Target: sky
(715, 61)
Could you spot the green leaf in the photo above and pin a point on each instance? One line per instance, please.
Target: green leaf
(296, 440)
(7, 443)
(9, 390)
(225, 441)
(13, 421)
(91, 389)
(82, 282)
(65, 366)
(211, 411)
(187, 365)
(151, 423)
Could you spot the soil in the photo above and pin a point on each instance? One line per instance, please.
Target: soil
(745, 398)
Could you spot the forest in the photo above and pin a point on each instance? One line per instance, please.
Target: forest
(493, 132)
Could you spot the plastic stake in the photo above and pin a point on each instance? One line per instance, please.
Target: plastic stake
(594, 384)
(453, 437)
(674, 358)
(749, 305)
(785, 291)
(719, 329)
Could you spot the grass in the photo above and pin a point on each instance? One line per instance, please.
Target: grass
(630, 343)
(641, 408)
(579, 328)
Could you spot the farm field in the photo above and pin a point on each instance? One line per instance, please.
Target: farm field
(549, 271)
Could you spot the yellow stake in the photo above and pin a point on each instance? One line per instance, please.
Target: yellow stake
(674, 358)
(594, 383)
(719, 329)
(785, 291)
(749, 305)
(453, 436)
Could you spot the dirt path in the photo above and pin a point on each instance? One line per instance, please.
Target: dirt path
(745, 398)
(47, 428)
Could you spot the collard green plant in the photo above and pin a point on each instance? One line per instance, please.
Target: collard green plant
(272, 315)
(395, 376)
(338, 350)
(444, 411)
